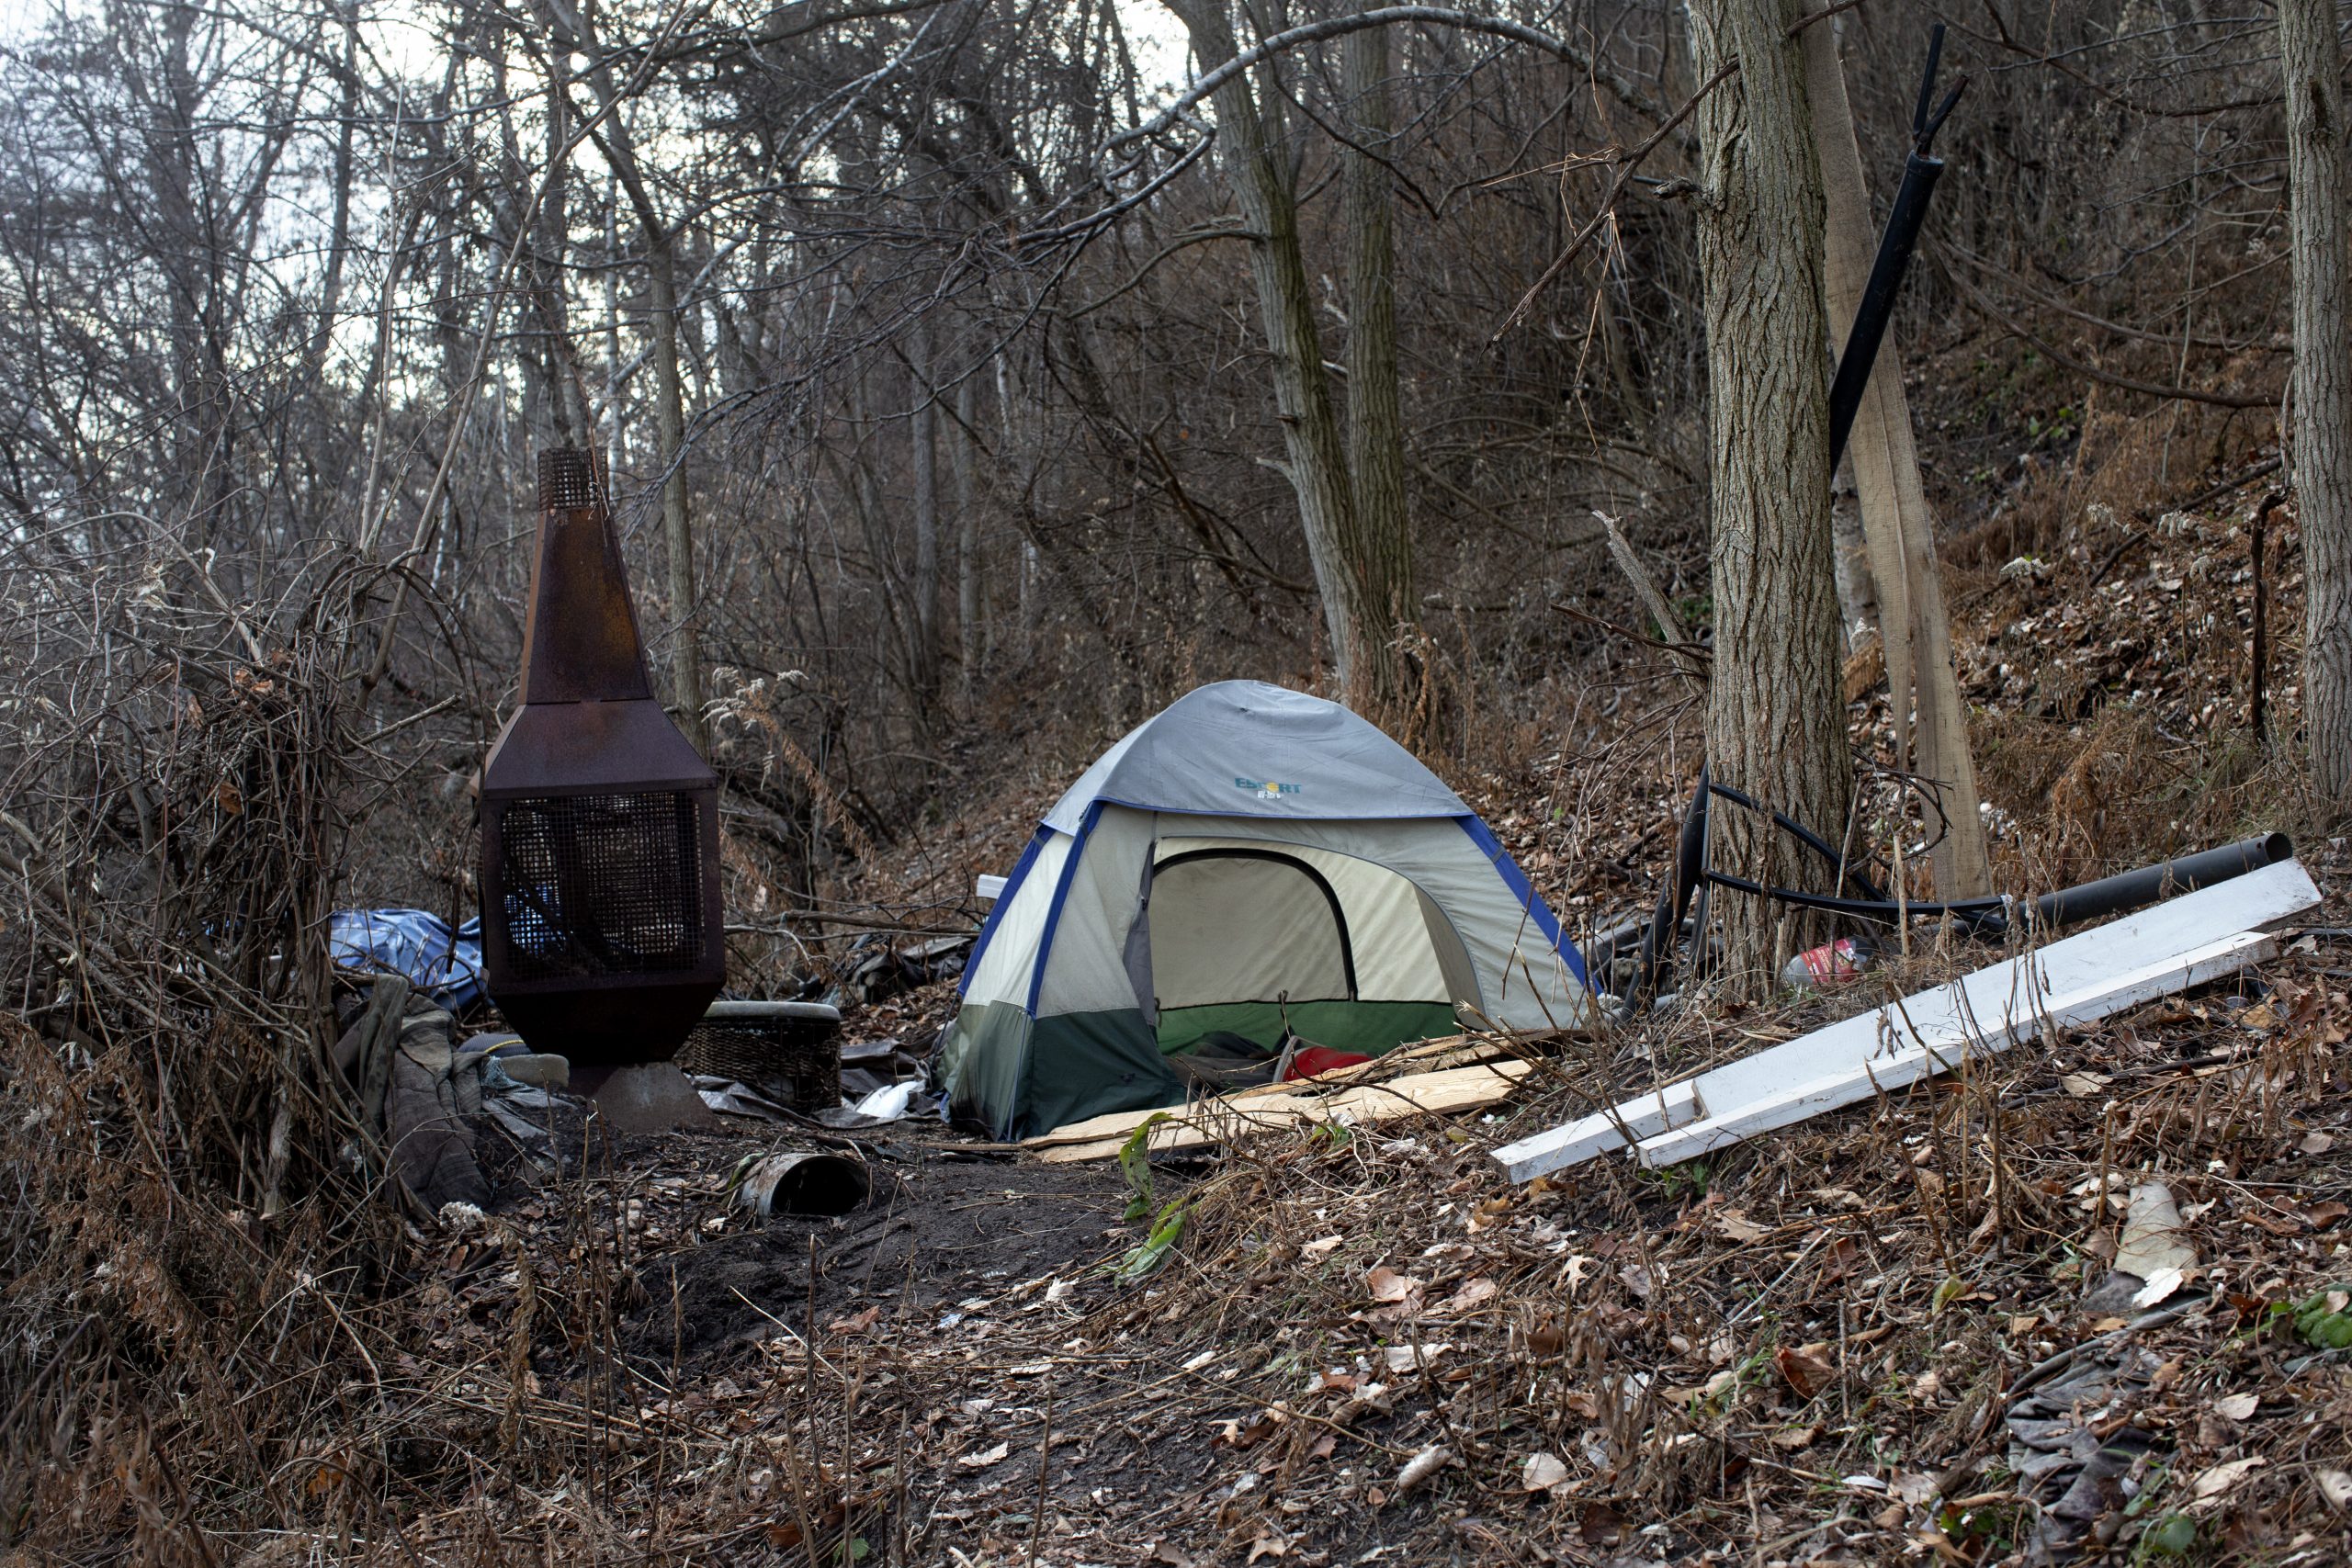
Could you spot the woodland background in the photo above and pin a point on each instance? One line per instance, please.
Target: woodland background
(944, 446)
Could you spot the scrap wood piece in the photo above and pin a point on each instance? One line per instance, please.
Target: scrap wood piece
(2180, 943)
(1226, 1119)
(1452, 1051)
(1898, 529)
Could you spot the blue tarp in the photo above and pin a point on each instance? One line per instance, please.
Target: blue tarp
(415, 943)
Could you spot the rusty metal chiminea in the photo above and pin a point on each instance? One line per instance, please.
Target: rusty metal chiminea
(601, 933)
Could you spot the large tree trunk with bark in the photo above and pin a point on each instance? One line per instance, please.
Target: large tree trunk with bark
(2313, 58)
(1914, 630)
(1776, 713)
(1382, 550)
(1265, 189)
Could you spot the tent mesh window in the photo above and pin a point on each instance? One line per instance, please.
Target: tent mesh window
(602, 885)
(785, 1056)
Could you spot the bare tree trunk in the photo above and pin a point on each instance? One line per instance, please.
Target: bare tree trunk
(339, 224)
(922, 431)
(969, 616)
(677, 522)
(1857, 593)
(1382, 550)
(615, 449)
(1914, 630)
(2312, 59)
(1776, 715)
(1264, 187)
(670, 397)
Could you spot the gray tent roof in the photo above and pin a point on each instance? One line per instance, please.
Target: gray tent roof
(1245, 749)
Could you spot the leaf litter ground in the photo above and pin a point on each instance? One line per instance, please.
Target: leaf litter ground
(1889, 1335)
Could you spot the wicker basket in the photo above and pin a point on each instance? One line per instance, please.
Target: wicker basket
(788, 1050)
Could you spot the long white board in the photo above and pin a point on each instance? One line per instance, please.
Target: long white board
(2195, 937)
(1925, 1057)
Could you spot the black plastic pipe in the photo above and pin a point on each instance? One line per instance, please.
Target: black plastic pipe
(1674, 894)
(1895, 243)
(1894, 247)
(2130, 889)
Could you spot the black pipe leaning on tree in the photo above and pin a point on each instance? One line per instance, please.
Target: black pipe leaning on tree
(1896, 242)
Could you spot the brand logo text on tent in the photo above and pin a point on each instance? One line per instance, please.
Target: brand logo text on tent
(1266, 789)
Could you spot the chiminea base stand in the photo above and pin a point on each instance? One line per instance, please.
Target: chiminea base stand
(646, 1097)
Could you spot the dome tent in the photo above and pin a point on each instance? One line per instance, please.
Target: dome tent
(1249, 857)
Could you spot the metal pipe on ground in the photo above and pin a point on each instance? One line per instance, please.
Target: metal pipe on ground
(804, 1182)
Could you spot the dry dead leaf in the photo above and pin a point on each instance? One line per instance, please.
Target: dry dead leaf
(1384, 1284)
(1840, 1260)
(984, 1457)
(1422, 1466)
(2154, 1237)
(1739, 1227)
(2335, 1485)
(1234, 1434)
(1808, 1372)
(1600, 1525)
(1542, 1472)
(2237, 1406)
(1472, 1294)
(1796, 1437)
(1400, 1357)
(2159, 1288)
(2212, 1487)
(2084, 1086)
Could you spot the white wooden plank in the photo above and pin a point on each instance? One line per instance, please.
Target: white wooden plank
(1531, 1156)
(2083, 965)
(988, 889)
(2063, 968)
(1916, 1058)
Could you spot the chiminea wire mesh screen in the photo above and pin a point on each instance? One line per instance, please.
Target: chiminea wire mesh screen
(601, 924)
(568, 481)
(602, 885)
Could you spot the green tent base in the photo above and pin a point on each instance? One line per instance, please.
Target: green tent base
(1370, 1028)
